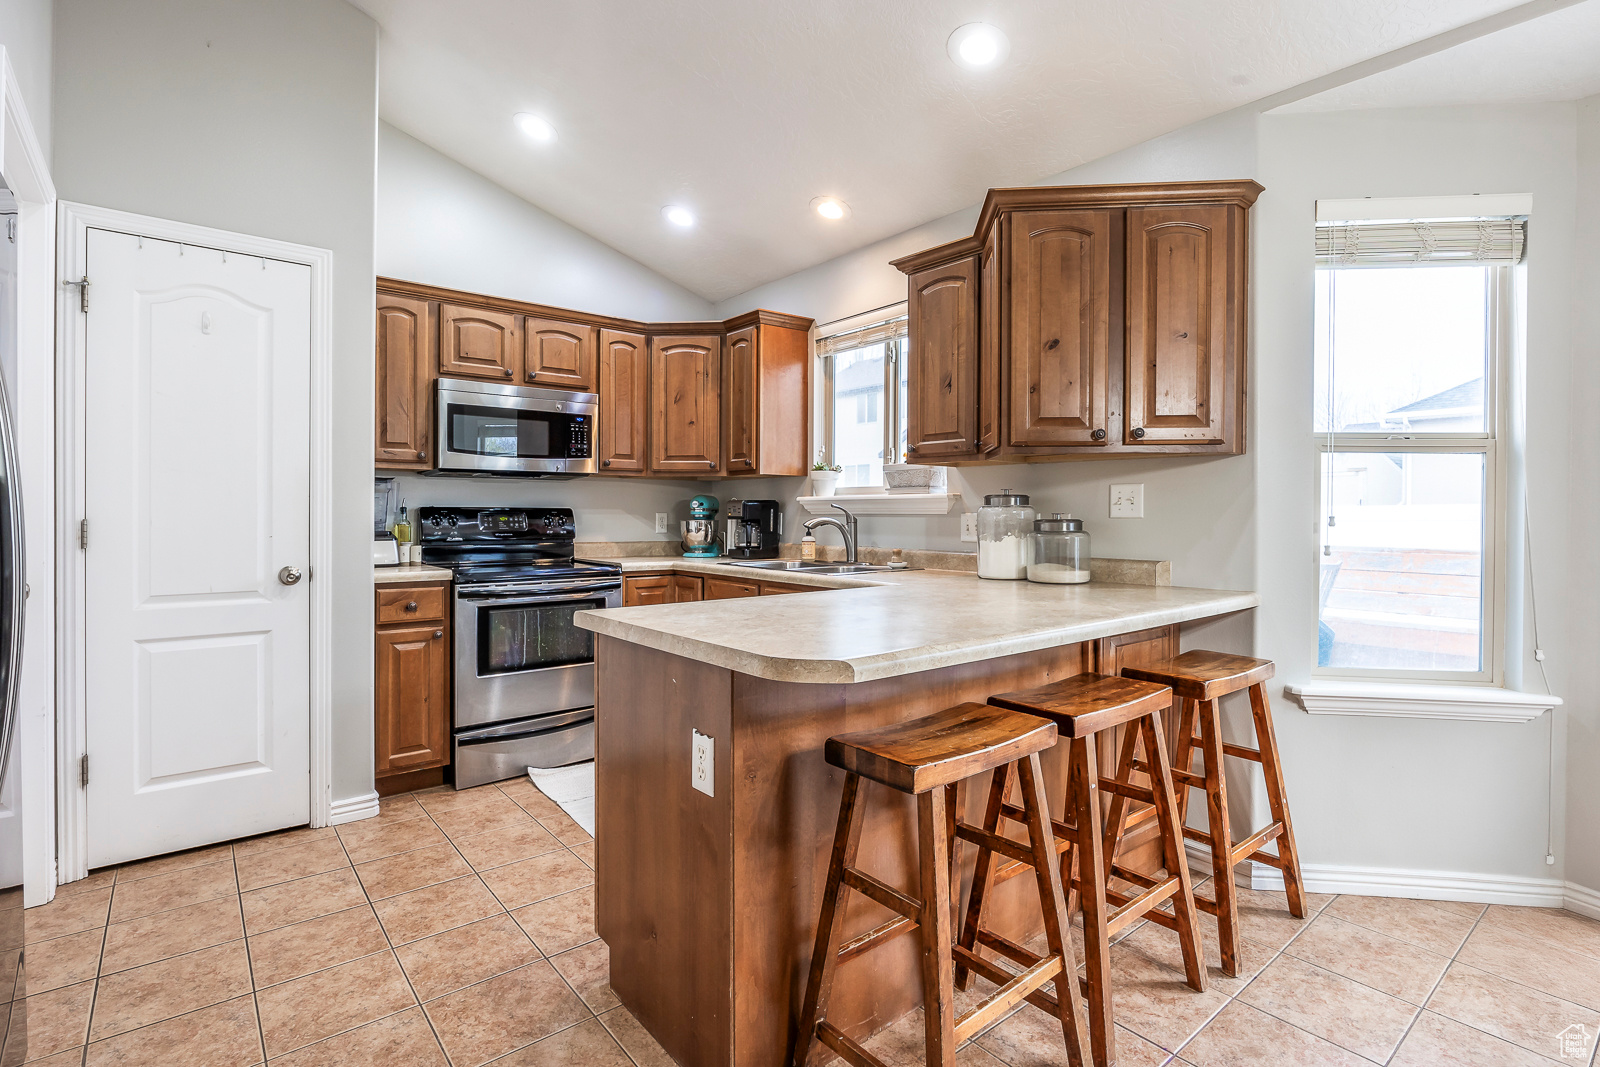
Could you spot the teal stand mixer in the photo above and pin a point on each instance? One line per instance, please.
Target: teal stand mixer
(700, 529)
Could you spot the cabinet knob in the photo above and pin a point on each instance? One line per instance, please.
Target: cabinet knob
(1138, 433)
(508, 372)
(1099, 435)
(531, 376)
(422, 453)
(438, 633)
(605, 463)
(411, 606)
(911, 448)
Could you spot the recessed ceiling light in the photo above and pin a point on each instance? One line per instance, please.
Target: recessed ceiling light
(678, 215)
(830, 207)
(978, 45)
(534, 126)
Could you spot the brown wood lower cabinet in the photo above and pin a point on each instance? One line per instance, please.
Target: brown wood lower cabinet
(412, 707)
(640, 589)
(686, 589)
(729, 589)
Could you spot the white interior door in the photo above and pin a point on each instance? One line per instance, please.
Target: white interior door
(196, 488)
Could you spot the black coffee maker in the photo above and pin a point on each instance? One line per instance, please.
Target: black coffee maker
(755, 527)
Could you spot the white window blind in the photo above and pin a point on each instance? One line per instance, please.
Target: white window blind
(874, 334)
(1421, 242)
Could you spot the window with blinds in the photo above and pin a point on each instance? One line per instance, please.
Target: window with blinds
(1421, 242)
(864, 390)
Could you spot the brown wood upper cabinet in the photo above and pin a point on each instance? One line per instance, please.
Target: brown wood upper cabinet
(765, 380)
(1083, 320)
(686, 404)
(624, 389)
(477, 343)
(558, 355)
(404, 386)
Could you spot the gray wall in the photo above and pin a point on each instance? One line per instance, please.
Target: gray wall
(25, 35)
(259, 118)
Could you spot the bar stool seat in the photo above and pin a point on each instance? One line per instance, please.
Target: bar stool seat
(929, 758)
(1199, 679)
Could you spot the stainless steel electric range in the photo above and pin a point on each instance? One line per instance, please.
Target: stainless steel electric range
(524, 674)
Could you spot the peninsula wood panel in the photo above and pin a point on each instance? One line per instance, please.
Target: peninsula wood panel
(1059, 326)
(1183, 321)
(624, 402)
(478, 343)
(558, 355)
(942, 400)
(404, 384)
(685, 404)
(1141, 848)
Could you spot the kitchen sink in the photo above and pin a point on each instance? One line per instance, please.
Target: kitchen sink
(807, 566)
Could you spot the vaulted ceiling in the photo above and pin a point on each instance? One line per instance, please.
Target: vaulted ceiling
(745, 111)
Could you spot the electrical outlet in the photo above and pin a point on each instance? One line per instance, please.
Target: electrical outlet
(1127, 501)
(703, 764)
(661, 522)
(969, 526)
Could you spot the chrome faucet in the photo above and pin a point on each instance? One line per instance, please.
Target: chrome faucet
(847, 530)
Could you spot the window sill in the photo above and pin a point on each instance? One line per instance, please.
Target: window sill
(882, 503)
(1411, 700)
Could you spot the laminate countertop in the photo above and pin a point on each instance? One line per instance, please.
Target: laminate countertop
(889, 623)
(407, 573)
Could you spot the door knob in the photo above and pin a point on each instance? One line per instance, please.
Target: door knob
(289, 575)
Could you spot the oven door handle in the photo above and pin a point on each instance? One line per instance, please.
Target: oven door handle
(523, 735)
(520, 601)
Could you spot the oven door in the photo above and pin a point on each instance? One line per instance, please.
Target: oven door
(518, 652)
(512, 430)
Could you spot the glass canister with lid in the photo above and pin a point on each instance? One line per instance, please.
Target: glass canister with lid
(1005, 523)
(1060, 551)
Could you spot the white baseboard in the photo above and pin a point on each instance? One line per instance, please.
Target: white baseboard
(353, 809)
(1583, 900)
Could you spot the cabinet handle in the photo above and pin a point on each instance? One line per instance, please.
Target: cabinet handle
(1138, 433)
(411, 606)
(438, 633)
(1099, 435)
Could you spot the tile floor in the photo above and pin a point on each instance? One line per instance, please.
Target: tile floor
(457, 929)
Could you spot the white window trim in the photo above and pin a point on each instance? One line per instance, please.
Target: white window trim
(889, 409)
(1410, 700)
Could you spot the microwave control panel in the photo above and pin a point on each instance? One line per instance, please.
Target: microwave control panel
(578, 442)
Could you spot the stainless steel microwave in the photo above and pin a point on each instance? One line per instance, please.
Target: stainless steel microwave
(513, 429)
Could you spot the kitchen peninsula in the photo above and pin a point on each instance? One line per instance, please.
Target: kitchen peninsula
(708, 897)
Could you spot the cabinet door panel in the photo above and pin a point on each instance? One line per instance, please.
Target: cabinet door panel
(1059, 326)
(1181, 335)
(992, 347)
(646, 589)
(942, 415)
(412, 699)
(740, 400)
(474, 343)
(404, 383)
(624, 401)
(685, 404)
(558, 355)
(686, 588)
(728, 589)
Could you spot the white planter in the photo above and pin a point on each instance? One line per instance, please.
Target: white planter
(913, 478)
(823, 482)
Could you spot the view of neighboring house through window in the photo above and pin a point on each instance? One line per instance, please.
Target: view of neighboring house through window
(864, 376)
(1412, 321)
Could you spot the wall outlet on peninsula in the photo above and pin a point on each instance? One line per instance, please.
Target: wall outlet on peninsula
(702, 766)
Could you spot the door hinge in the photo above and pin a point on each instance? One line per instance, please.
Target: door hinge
(83, 535)
(11, 228)
(83, 770)
(83, 293)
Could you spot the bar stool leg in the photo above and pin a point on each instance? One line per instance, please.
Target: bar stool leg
(983, 872)
(1171, 828)
(938, 990)
(1183, 754)
(1272, 769)
(1085, 806)
(1224, 891)
(824, 958)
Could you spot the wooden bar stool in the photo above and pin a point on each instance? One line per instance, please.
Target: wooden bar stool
(1199, 679)
(928, 758)
(1082, 706)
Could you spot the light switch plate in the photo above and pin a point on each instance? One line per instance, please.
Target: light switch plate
(969, 526)
(1127, 500)
(661, 522)
(702, 770)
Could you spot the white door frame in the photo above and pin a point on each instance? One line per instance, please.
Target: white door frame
(72, 736)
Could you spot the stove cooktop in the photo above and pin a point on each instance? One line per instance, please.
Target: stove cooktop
(544, 570)
(482, 545)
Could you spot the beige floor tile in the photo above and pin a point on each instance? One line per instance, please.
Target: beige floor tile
(1033, 1038)
(130, 999)
(1264, 915)
(100, 879)
(587, 970)
(171, 933)
(302, 899)
(1161, 945)
(485, 1021)
(535, 803)
(1564, 929)
(496, 848)
(294, 861)
(252, 846)
(1418, 922)
(903, 1043)
(435, 909)
(437, 801)
(177, 861)
(1509, 1011)
(291, 951)
(1153, 1000)
(515, 787)
(1243, 1037)
(1439, 1042)
(526, 881)
(393, 875)
(70, 1058)
(373, 839)
(635, 1040)
(320, 1005)
(68, 914)
(585, 852)
(222, 1035)
(58, 1020)
(404, 806)
(1349, 1014)
(481, 816)
(1548, 968)
(458, 958)
(561, 922)
(1461, 907)
(175, 889)
(1387, 964)
(64, 961)
(565, 828)
(589, 1044)
(401, 1040)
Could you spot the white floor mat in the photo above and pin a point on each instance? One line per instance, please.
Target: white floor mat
(571, 787)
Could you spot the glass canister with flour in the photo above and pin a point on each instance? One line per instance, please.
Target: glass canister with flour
(1060, 553)
(1005, 523)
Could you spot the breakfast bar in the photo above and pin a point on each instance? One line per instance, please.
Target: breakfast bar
(707, 888)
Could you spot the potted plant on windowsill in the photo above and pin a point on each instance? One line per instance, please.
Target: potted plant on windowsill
(823, 477)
